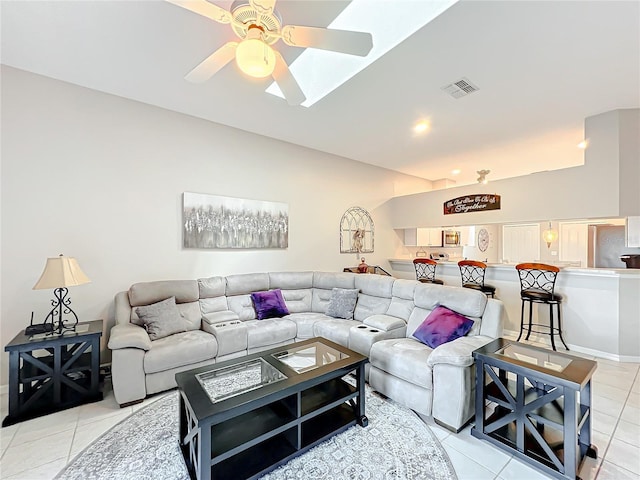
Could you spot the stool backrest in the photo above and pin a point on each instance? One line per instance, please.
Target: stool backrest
(537, 276)
(425, 268)
(472, 272)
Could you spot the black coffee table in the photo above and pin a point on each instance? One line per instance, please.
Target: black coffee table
(244, 417)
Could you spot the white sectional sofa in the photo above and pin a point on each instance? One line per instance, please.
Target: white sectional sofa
(220, 322)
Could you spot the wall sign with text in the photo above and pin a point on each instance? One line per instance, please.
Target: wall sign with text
(472, 203)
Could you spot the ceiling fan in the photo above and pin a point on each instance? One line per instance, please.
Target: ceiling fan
(259, 25)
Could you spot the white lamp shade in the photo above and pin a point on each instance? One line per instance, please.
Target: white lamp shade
(254, 57)
(61, 272)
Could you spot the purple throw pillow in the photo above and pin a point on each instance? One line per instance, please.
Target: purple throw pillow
(442, 325)
(269, 304)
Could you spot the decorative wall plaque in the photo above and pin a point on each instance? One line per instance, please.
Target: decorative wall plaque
(356, 231)
(472, 203)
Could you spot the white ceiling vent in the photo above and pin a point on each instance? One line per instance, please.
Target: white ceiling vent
(460, 88)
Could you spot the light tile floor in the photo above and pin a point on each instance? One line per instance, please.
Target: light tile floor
(40, 448)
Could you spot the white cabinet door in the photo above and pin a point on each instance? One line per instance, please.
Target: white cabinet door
(410, 237)
(521, 243)
(435, 237)
(633, 232)
(423, 237)
(573, 242)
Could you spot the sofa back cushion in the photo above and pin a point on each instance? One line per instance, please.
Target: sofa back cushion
(296, 289)
(323, 283)
(246, 283)
(402, 304)
(375, 295)
(467, 302)
(184, 291)
(212, 297)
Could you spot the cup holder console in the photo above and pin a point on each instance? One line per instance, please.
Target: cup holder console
(362, 326)
(367, 328)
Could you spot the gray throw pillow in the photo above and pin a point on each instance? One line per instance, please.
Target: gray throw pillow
(342, 302)
(162, 319)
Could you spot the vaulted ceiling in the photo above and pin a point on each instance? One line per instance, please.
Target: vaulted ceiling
(541, 67)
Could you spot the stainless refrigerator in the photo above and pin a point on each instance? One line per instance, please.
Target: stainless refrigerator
(605, 245)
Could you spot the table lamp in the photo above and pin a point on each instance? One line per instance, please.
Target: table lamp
(59, 273)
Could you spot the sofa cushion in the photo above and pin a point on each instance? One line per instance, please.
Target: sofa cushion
(269, 304)
(335, 329)
(342, 303)
(291, 280)
(404, 358)
(442, 325)
(212, 287)
(180, 349)
(298, 301)
(146, 293)
(271, 331)
(305, 322)
(243, 306)
(246, 283)
(161, 319)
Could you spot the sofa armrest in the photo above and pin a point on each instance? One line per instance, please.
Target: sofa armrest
(222, 316)
(458, 352)
(128, 335)
(384, 322)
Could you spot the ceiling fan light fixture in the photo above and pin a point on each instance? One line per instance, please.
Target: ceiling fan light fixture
(483, 176)
(253, 56)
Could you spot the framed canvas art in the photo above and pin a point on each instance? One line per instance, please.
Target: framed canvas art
(213, 221)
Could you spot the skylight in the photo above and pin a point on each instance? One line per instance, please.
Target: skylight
(319, 72)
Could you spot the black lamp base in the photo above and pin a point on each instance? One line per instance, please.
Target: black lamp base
(61, 307)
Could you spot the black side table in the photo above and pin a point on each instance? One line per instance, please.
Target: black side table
(542, 402)
(49, 373)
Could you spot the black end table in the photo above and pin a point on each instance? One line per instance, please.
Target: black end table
(51, 372)
(542, 402)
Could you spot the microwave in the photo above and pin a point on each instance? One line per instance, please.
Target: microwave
(450, 238)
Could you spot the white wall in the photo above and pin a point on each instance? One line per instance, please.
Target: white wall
(593, 190)
(101, 178)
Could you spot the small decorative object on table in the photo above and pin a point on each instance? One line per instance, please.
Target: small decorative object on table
(59, 273)
(363, 267)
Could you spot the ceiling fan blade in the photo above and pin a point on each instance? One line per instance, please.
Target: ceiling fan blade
(288, 85)
(213, 63)
(343, 41)
(263, 7)
(204, 8)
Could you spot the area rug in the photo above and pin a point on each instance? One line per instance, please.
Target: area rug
(396, 445)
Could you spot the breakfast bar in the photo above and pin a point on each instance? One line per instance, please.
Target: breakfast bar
(600, 309)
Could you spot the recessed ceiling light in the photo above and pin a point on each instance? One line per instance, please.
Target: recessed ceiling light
(583, 144)
(456, 171)
(319, 72)
(421, 127)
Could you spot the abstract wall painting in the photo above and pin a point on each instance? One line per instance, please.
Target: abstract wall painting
(213, 221)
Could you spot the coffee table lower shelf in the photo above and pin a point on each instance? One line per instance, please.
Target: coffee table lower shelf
(255, 436)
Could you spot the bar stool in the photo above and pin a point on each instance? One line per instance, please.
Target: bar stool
(472, 273)
(426, 270)
(537, 283)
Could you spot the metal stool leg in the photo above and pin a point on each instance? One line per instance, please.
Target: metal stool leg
(521, 321)
(560, 327)
(551, 327)
(530, 319)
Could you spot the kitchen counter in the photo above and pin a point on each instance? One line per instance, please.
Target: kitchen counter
(600, 308)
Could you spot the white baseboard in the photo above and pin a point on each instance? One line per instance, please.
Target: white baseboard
(544, 340)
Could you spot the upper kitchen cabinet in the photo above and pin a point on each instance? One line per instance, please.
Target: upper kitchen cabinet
(423, 237)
